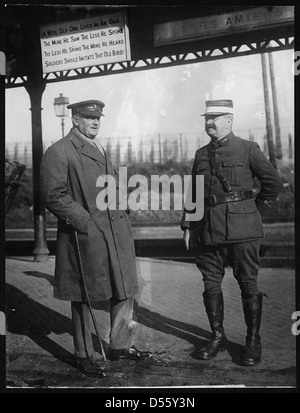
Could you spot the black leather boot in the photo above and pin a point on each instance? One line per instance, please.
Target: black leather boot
(214, 306)
(252, 306)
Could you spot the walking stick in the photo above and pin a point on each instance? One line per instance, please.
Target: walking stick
(87, 297)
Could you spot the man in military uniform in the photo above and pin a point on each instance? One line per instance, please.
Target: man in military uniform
(69, 172)
(231, 228)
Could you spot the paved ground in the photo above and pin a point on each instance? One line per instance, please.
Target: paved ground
(171, 320)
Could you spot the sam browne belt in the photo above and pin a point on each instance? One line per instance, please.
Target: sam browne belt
(230, 196)
(233, 196)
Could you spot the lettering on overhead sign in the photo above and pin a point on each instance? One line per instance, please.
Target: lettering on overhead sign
(222, 24)
(77, 44)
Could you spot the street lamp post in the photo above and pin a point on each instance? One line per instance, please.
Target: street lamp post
(61, 111)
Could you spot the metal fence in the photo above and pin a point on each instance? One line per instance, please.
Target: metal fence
(158, 148)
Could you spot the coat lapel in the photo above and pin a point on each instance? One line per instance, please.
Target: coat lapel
(85, 148)
(93, 152)
(109, 167)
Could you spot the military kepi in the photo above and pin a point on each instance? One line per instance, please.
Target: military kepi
(218, 107)
(87, 108)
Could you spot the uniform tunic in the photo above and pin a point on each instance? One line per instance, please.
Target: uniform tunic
(69, 172)
(243, 165)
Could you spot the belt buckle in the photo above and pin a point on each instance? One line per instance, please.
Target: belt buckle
(234, 197)
(213, 199)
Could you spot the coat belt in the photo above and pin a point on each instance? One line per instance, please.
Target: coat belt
(233, 196)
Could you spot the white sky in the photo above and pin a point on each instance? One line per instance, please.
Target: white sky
(166, 100)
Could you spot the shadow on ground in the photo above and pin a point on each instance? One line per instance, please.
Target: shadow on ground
(26, 317)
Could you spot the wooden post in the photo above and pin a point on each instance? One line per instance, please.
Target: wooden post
(129, 152)
(108, 149)
(265, 144)
(25, 156)
(181, 150)
(141, 152)
(35, 86)
(268, 113)
(159, 148)
(118, 153)
(151, 155)
(275, 107)
(175, 150)
(16, 152)
(165, 151)
(185, 153)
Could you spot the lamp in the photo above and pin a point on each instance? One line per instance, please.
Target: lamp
(61, 111)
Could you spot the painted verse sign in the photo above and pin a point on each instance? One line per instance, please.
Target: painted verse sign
(88, 42)
(222, 24)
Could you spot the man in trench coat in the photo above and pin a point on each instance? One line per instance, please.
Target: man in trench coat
(69, 172)
(231, 228)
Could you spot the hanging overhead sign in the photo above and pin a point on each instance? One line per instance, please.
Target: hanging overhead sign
(82, 43)
(222, 24)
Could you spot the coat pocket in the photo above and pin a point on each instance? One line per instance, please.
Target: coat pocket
(243, 221)
(232, 170)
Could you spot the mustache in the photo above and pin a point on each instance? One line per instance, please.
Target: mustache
(210, 126)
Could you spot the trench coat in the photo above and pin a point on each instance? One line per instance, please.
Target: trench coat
(244, 167)
(69, 172)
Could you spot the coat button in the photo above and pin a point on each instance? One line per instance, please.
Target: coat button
(112, 218)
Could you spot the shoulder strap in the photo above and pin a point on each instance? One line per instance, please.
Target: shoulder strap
(214, 165)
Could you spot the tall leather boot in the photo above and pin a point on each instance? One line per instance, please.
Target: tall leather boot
(214, 306)
(252, 306)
